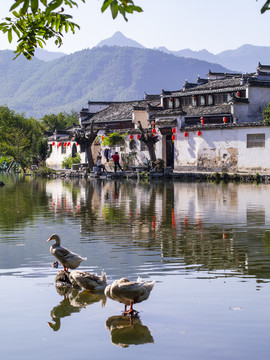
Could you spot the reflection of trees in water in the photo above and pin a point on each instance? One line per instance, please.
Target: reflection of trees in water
(147, 213)
(126, 331)
(22, 198)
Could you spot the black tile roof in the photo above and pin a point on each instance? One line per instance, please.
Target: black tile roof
(122, 111)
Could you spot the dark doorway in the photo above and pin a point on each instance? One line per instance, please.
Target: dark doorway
(169, 152)
(74, 150)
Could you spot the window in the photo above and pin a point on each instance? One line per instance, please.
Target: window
(170, 103)
(229, 97)
(194, 101)
(186, 101)
(177, 102)
(202, 100)
(255, 140)
(63, 149)
(210, 99)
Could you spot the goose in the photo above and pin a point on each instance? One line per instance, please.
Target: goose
(88, 281)
(129, 292)
(67, 258)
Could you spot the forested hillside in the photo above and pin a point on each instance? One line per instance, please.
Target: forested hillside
(108, 73)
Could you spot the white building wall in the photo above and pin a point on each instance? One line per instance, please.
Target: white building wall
(258, 98)
(56, 156)
(221, 150)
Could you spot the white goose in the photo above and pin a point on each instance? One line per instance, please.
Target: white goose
(88, 281)
(129, 292)
(67, 258)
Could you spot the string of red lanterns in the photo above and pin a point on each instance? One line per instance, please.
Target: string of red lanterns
(202, 120)
(224, 119)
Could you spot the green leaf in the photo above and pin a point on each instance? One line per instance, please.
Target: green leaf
(34, 6)
(17, 3)
(265, 6)
(105, 5)
(44, 2)
(114, 9)
(10, 35)
(25, 7)
(54, 4)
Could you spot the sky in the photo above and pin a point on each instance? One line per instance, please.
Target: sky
(214, 25)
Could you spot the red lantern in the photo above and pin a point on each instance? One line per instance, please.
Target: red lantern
(59, 144)
(186, 134)
(238, 93)
(173, 130)
(202, 120)
(102, 138)
(173, 138)
(65, 144)
(53, 143)
(199, 133)
(153, 131)
(77, 144)
(138, 136)
(224, 119)
(68, 144)
(130, 137)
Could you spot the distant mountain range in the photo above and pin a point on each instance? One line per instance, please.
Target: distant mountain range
(117, 69)
(244, 59)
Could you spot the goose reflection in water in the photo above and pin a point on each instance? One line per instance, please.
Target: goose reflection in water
(74, 300)
(126, 331)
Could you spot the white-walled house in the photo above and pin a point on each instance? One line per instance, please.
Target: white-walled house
(214, 124)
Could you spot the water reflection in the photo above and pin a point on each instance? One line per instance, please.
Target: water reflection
(126, 331)
(73, 301)
(154, 227)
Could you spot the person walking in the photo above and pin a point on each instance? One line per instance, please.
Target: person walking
(116, 162)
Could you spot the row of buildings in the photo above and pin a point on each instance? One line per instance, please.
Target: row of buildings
(214, 124)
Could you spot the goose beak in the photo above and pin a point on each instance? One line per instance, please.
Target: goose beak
(48, 240)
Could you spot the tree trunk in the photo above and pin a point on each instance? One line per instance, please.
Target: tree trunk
(88, 150)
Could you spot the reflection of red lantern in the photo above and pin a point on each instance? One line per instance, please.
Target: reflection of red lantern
(153, 131)
(53, 143)
(202, 120)
(138, 136)
(173, 130)
(130, 137)
(224, 119)
(173, 138)
(68, 144)
(59, 144)
(186, 134)
(65, 144)
(199, 133)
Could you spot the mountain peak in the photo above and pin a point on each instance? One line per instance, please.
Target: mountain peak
(118, 39)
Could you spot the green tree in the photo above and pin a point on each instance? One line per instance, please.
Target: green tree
(36, 21)
(266, 115)
(60, 121)
(20, 137)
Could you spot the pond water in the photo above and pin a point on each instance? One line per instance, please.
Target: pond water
(206, 245)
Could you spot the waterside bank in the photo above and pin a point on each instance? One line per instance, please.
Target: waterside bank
(180, 176)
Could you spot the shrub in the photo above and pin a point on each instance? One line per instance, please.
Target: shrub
(69, 160)
(113, 139)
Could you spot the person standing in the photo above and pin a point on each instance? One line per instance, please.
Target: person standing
(116, 162)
